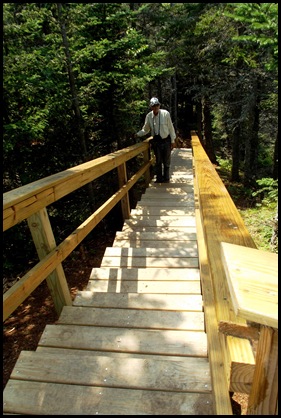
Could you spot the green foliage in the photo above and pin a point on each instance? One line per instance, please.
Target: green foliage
(260, 29)
(267, 192)
(259, 222)
(120, 55)
(224, 164)
(258, 217)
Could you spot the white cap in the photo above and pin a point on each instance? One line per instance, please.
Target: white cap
(154, 101)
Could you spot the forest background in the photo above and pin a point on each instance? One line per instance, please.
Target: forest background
(77, 79)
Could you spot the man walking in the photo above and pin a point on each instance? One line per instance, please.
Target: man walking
(158, 122)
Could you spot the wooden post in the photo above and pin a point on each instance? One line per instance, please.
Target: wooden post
(264, 392)
(44, 241)
(146, 158)
(252, 276)
(122, 179)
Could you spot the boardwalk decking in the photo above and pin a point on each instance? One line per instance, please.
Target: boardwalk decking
(134, 341)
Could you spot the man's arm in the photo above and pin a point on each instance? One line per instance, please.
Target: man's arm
(172, 132)
(146, 127)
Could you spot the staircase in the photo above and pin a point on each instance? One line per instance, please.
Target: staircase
(134, 341)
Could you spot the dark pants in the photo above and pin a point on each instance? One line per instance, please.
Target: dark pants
(162, 151)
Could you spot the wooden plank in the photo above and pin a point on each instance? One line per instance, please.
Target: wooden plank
(263, 399)
(157, 235)
(122, 318)
(125, 243)
(122, 180)
(164, 223)
(164, 287)
(112, 354)
(252, 277)
(144, 274)
(162, 229)
(26, 206)
(125, 340)
(188, 250)
(34, 196)
(150, 257)
(178, 179)
(142, 262)
(163, 196)
(44, 240)
(35, 398)
(219, 371)
(253, 281)
(142, 301)
(222, 222)
(163, 212)
(25, 286)
(188, 374)
(170, 204)
(170, 192)
(142, 218)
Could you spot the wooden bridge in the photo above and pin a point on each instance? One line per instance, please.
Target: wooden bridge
(148, 334)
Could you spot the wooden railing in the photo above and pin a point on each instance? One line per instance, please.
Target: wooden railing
(30, 202)
(218, 221)
(231, 356)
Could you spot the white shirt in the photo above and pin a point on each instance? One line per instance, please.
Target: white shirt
(151, 124)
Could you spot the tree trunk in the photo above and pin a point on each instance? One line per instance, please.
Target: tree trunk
(207, 130)
(199, 120)
(79, 120)
(174, 102)
(274, 237)
(275, 159)
(252, 142)
(235, 142)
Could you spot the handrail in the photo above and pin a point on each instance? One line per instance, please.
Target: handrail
(231, 358)
(30, 202)
(20, 203)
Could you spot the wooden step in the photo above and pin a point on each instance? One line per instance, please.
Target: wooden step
(157, 235)
(147, 243)
(158, 211)
(185, 197)
(144, 274)
(162, 203)
(145, 280)
(188, 250)
(170, 191)
(134, 341)
(151, 257)
(125, 340)
(140, 228)
(36, 398)
(141, 286)
(133, 318)
(167, 222)
(153, 239)
(106, 371)
(144, 301)
(115, 354)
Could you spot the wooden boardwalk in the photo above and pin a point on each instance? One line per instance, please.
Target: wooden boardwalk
(134, 341)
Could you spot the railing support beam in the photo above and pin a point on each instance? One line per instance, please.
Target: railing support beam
(122, 179)
(44, 240)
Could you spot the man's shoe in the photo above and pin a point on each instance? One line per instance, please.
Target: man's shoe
(158, 181)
